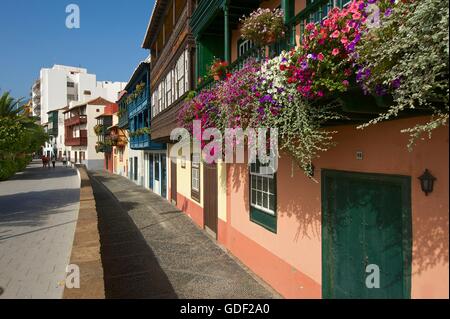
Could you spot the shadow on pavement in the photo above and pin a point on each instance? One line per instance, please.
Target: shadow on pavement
(34, 208)
(131, 269)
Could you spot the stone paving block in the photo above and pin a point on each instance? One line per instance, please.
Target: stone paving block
(178, 261)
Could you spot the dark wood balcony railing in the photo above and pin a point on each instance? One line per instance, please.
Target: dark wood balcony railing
(167, 51)
(76, 120)
(77, 141)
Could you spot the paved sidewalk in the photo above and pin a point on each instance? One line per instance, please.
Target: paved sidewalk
(38, 214)
(152, 250)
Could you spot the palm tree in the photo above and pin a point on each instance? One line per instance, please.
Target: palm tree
(9, 107)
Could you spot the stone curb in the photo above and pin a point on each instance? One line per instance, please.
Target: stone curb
(86, 246)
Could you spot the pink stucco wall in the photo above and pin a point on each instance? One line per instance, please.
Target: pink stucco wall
(298, 242)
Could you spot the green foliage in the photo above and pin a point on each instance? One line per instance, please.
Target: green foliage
(411, 50)
(20, 137)
(7, 169)
(9, 106)
(98, 129)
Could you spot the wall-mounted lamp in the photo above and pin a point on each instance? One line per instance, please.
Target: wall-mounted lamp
(427, 182)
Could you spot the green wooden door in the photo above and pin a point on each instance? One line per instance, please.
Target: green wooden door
(366, 221)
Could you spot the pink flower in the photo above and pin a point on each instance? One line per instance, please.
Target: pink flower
(344, 40)
(335, 51)
(335, 34)
(357, 16)
(310, 26)
(345, 83)
(320, 56)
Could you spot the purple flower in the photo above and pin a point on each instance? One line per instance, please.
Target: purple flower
(304, 65)
(351, 47)
(388, 12)
(267, 99)
(396, 83)
(380, 90)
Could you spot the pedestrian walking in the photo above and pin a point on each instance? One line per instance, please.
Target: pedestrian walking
(54, 162)
(44, 161)
(64, 160)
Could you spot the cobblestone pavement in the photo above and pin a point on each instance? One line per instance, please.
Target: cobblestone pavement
(152, 250)
(38, 214)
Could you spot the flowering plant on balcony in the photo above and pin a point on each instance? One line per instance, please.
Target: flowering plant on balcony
(142, 131)
(299, 120)
(236, 102)
(218, 69)
(324, 63)
(122, 112)
(138, 90)
(98, 129)
(203, 107)
(99, 147)
(263, 26)
(407, 55)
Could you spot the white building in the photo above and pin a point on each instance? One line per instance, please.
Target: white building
(80, 138)
(36, 99)
(60, 85)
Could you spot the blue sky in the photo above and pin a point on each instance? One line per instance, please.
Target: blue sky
(33, 35)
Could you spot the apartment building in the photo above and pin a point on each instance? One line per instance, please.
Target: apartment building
(81, 140)
(60, 85)
(36, 98)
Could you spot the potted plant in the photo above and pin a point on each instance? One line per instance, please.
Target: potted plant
(218, 69)
(98, 129)
(263, 26)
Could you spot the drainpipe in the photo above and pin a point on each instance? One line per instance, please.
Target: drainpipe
(227, 32)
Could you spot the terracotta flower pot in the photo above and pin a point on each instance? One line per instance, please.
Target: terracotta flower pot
(270, 38)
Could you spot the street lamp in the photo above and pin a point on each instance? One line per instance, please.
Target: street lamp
(427, 182)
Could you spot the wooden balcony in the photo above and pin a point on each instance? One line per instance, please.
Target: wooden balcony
(172, 44)
(77, 141)
(76, 120)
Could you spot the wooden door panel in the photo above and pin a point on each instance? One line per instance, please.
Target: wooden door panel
(366, 221)
(210, 198)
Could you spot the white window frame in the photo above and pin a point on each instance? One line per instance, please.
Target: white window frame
(265, 190)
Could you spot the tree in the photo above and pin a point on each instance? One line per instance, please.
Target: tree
(9, 107)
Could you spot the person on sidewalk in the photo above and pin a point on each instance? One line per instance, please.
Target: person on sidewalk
(44, 161)
(54, 161)
(64, 160)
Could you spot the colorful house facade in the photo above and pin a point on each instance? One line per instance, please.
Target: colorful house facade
(80, 137)
(147, 159)
(364, 205)
(171, 47)
(315, 238)
(105, 134)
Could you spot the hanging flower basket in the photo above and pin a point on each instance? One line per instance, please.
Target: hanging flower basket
(264, 26)
(218, 69)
